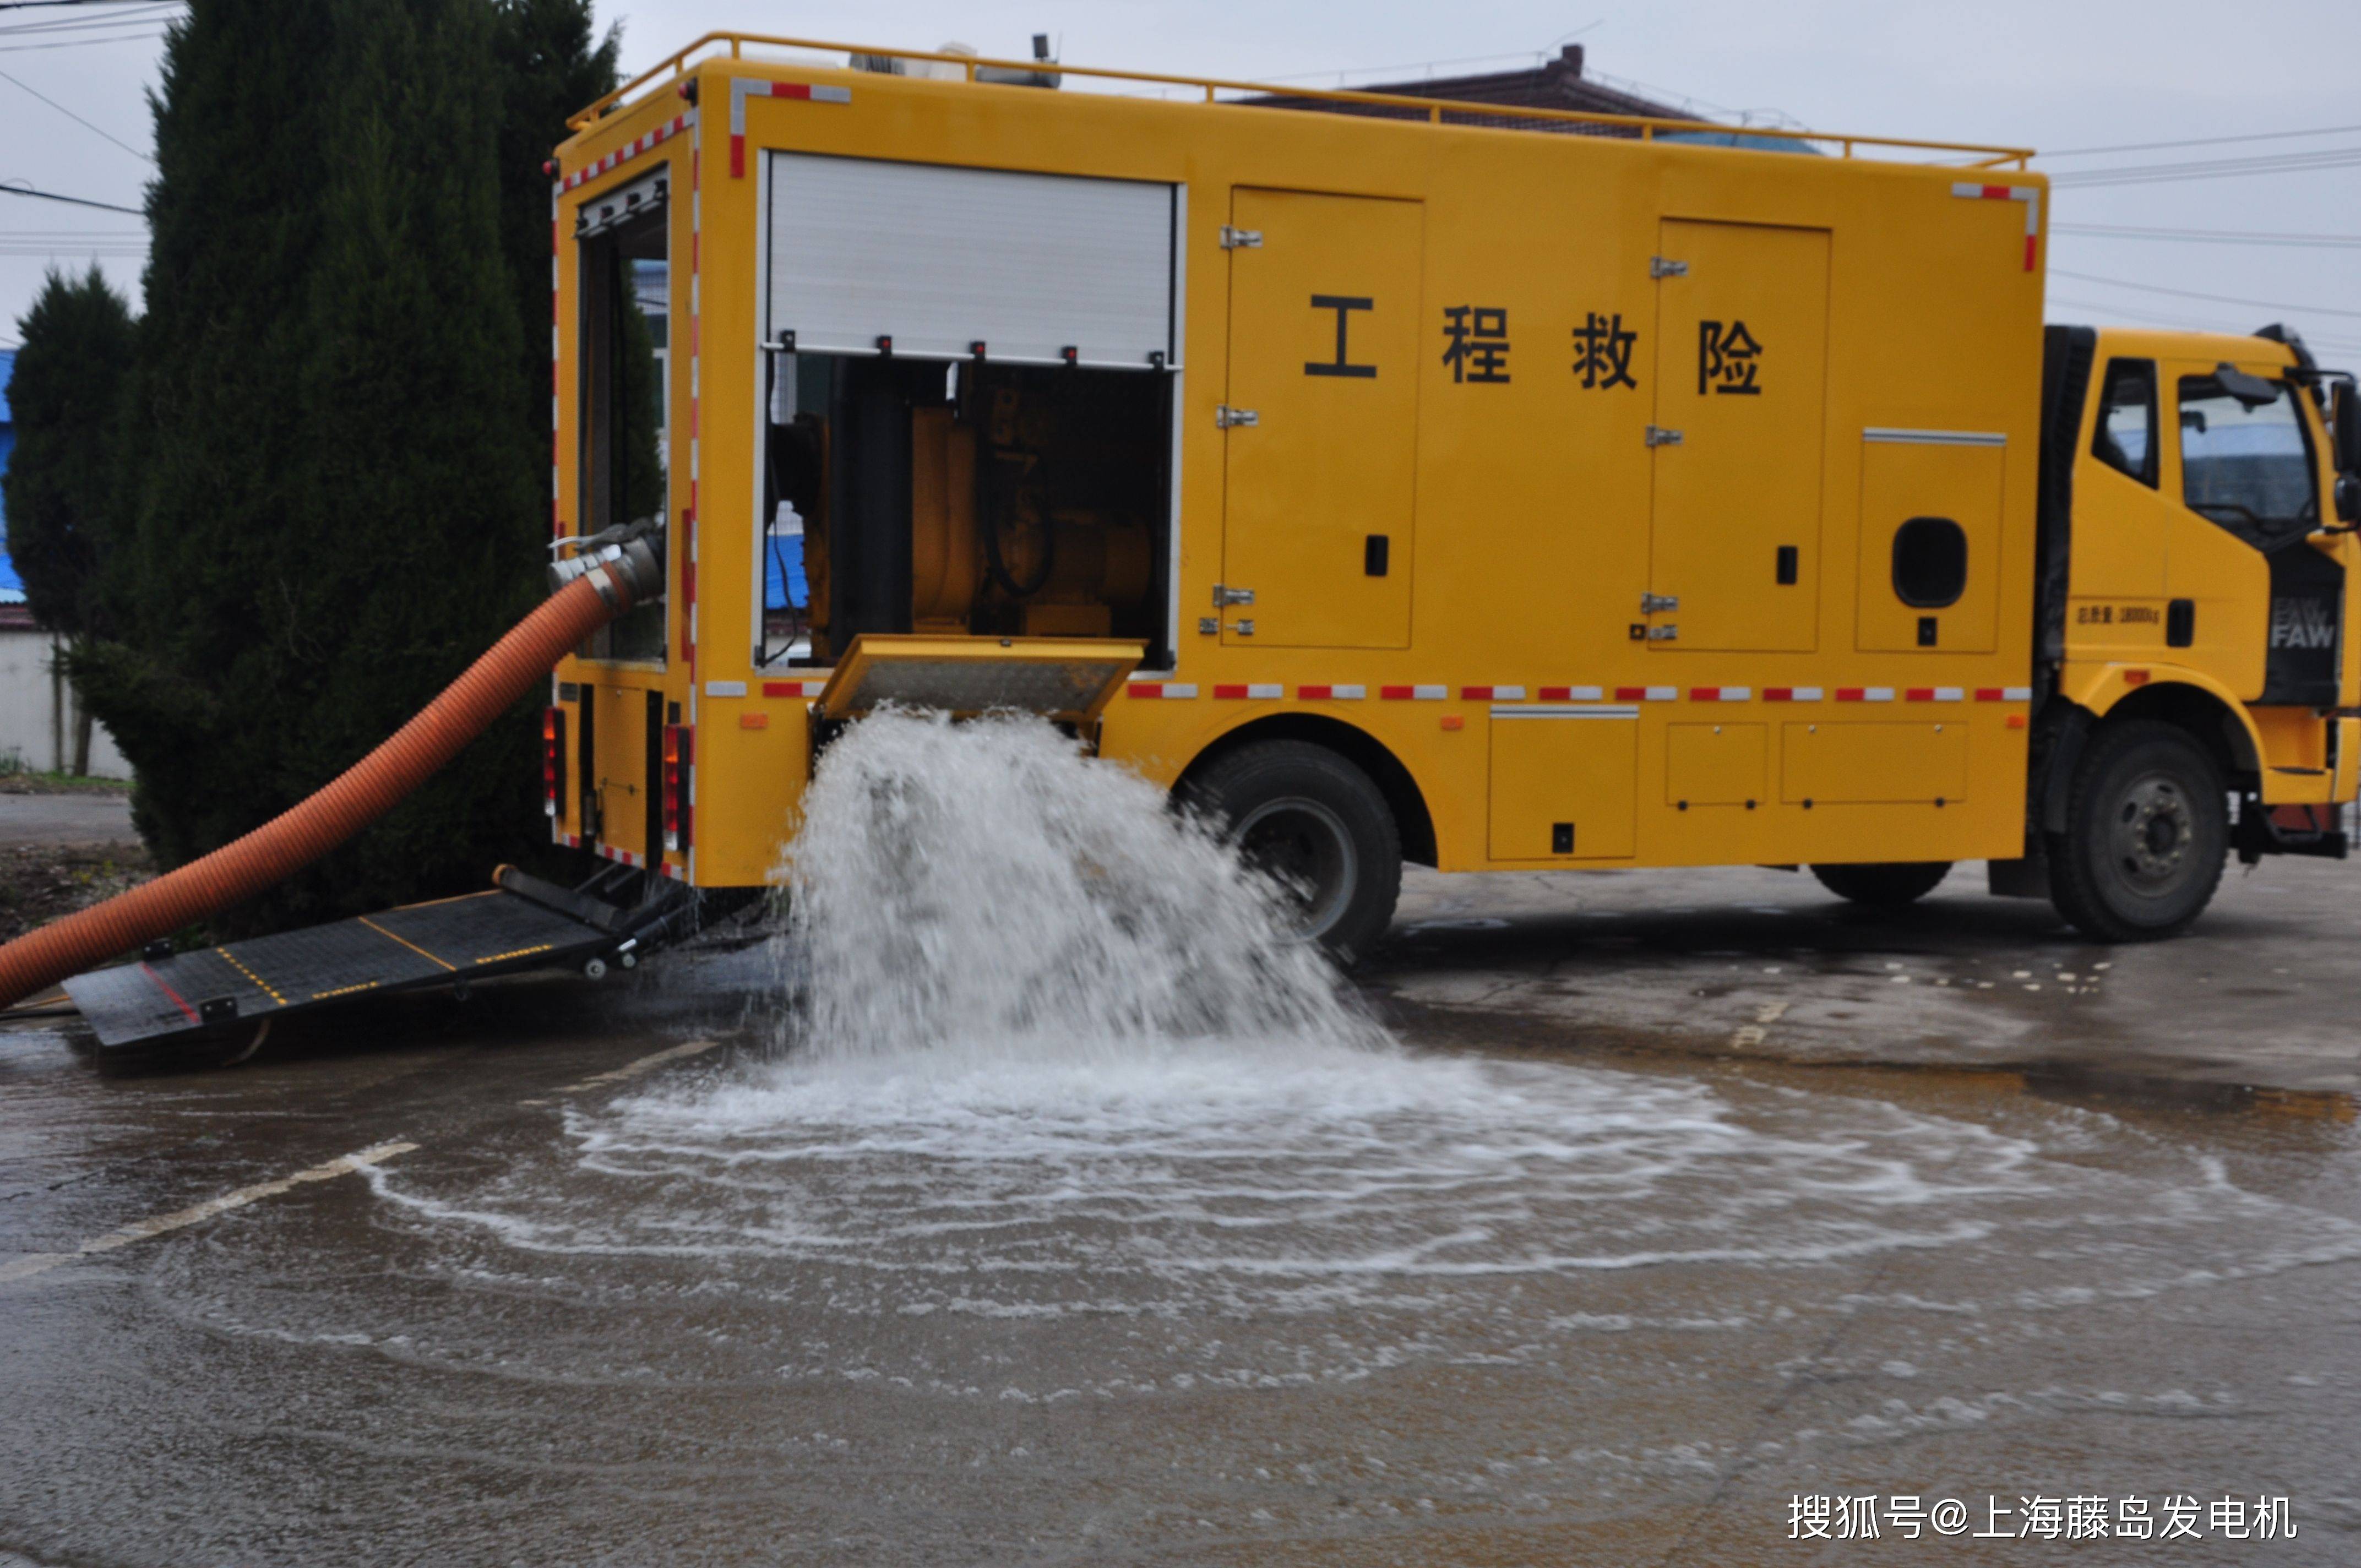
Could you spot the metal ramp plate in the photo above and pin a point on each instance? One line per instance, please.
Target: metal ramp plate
(477, 934)
(1064, 677)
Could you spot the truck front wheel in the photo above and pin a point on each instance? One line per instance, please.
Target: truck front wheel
(2147, 833)
(1313, 822)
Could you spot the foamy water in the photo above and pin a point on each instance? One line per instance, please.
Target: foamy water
(1055, 1061)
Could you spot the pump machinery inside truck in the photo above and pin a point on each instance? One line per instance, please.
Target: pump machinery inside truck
(1486, 489)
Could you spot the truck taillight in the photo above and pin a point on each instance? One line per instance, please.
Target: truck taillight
(553, 761)
(679, 764)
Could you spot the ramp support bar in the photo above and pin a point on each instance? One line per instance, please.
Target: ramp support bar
(359, 796)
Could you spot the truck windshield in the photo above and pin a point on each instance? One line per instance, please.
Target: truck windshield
(2248, 468)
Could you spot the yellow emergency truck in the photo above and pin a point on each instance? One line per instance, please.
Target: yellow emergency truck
(1486, 489)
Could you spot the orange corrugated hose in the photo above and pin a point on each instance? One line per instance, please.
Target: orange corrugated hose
(359, 796)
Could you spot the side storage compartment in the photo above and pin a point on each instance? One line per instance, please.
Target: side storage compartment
(1824, 763)
(1929, 566)
(1564, 781)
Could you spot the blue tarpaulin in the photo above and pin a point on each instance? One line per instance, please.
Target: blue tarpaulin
(12, 590)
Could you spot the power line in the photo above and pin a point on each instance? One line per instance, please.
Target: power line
(80, 43)
(19, 190)
(41, 26)
(2117, 310)
(2210, 236)
(51, 5)
(2216, 299)
(2201, 141)
(2209, 168)
(77, 119)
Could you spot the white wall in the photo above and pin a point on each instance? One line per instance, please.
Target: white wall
(36, 717)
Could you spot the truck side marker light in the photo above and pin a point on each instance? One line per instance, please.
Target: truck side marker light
(2016, 721)
(1160, 691)
(2135, 678)
(630, 150)
(742, 89)
(1454, 721)
(1254, 693)
(1332, 693)
(754, 721)
(2028, 194)
(1491, 693)
(1413, 694)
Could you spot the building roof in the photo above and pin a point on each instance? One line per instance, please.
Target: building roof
(1556, 83)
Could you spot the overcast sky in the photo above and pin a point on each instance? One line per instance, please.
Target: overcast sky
(2059, 75)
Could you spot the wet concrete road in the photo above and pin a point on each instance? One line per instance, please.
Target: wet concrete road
(1587, 1273)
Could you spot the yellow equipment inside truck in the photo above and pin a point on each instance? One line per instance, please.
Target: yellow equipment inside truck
(1486, 488)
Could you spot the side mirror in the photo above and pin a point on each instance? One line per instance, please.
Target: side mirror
(2348, 497)
(2252, 392)
(2345, 419)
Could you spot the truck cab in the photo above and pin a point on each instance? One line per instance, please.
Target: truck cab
(2196, 583)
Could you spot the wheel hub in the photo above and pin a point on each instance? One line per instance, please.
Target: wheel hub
(1305, 848)
(2154, 828)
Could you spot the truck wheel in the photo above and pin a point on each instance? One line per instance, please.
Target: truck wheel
(1883, 884)
(2147, 833)
(1303, 815)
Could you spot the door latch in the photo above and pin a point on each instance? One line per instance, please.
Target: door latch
(1665, 266)
(1650, 604)
(1226, 416)
(1660, 436)
(1663, 635)
(1243, 628)
(1241, 239)
(1223, 596)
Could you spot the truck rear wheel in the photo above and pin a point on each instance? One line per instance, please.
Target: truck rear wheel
(1305, 816)
(2147, 833)
(1883, 884)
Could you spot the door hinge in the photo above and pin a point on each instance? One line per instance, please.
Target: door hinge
(1226, 416)
(1241, 239)
(1663, 635)
(1223, 596)
(1651, 604)
(1660, 436)
(1665, 266)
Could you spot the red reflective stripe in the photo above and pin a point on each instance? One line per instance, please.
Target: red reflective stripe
(1850, 693)
(1314, 691)
(1919, 693)
(1778, 694)
(1630, 694)
(1991, 694)
(1395, 693)
(1232, 693)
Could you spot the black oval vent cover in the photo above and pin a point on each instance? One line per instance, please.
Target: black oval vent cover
(1930, 563)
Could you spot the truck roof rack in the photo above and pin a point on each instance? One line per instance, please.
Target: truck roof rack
(1212, 90)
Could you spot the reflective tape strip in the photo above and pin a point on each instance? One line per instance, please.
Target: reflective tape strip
(742, 89)
(1332, 693)
(1492, 693)
(1413, 694)
(1720, 694)
(789, 688)
(1251, 693)
(725, 688)
(631, 150)
(2028, 194)
(1864, 694)
(1791, 694)
(1572, 694)
(1162, 691)
(625, 856)
(2003, 694)
(1646, 694)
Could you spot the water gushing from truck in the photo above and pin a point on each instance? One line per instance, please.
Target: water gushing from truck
(981, 894)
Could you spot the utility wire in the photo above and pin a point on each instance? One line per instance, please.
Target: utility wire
(18, 190)
(2216, 299)
(77, 119)
(2210, 236)
(47, 5)
(2209, 168)
(80, 43)
(2201, 141)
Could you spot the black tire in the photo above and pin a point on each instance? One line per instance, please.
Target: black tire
(1306, 815)
(2146, 834)
(1883, 884)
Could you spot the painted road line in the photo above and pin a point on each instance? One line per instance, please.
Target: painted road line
(143, 1230)
(629, 1071)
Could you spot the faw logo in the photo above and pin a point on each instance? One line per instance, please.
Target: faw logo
(2302, 623)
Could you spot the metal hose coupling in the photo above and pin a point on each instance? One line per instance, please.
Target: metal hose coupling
(624, 563)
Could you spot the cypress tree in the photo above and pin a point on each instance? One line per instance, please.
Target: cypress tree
(335, 511)
(63, 482)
